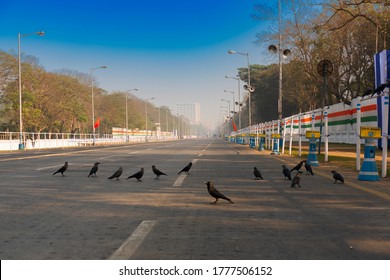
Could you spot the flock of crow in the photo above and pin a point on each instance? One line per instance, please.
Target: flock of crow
(296, 180)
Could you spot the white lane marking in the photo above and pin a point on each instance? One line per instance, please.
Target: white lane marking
(49, 167)
(179, 180)
(200, 155)
(127, 249)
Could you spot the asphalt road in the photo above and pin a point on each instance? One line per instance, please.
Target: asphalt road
(76, 217)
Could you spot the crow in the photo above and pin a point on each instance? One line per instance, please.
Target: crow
(257, 174)
(117, 174)
(337, 177)
(94, 169)
(186, 169)
(308, 168)
(215, 193)
(62, 169)
(296, 180)
(286, 172)
(298, 166)
(157, 172)
(137, 175)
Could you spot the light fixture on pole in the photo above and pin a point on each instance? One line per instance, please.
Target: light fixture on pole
(234, 104)
(39, 33)
(228, 101)
(146, 116)
(127, 116)
(94, 125)
(282, 54)
(239, 99)
(248, 87)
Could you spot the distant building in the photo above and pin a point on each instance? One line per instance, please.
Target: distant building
(189, 111)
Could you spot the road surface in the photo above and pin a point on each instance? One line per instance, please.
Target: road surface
(76, 217)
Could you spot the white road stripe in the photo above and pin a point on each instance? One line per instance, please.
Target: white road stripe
(127, 249)
(49, 167)
(179, 180)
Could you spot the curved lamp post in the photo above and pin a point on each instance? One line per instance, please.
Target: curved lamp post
(93, 103)
(239, 99)
(39, 33)
(249, 87)
(146, 116)
(127, 116)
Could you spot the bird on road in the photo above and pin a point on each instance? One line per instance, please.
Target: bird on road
(298, 166)
(94, 169)
(117, 174)
(257, 174)
(186, 169)
(62, 169)
(296, 180)
(137, 175)
(157, 172)
(215, 193)
(286, 172)
(337, 177)
(308, 168)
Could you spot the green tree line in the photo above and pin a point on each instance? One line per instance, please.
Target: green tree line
(61, 102)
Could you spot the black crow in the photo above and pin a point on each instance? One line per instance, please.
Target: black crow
(137, 175)
(157, 172)
(286, 172)
(257, 174)
(298, 166)
(308, 168)
(117, 174)
(186, 169)
(94, 169)
(296, 180)
(337, 177)
(62, 169)
(215, 193)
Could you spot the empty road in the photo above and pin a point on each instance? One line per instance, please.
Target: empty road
(79, 217)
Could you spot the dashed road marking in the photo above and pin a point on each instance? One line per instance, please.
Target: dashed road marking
(127, 249)
(179, 180)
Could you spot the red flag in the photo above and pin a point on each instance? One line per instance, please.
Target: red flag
(97, 123)
(234, 126)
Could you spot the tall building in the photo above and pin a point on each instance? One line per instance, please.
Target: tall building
(190, 111)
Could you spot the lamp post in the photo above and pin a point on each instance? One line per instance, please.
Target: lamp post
(281, 53)
(127, 116)
(234, 107)
(228, 101)
(249, 87)
(146, 117)
(93, 104)
(239, 100)
(39, 33)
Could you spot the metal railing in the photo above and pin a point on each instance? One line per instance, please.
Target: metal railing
(9, 141)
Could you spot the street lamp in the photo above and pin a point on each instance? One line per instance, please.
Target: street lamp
(39, 33)
(228, 101)
(248, 87)
(281, 53)
(146, 116)
(234, 104)
(239, 99)
(127, 116)
(93, 104)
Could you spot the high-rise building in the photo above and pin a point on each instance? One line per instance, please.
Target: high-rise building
(189, 111)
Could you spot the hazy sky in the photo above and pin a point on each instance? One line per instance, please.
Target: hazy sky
(173, 50)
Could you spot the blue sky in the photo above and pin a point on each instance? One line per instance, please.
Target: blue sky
(175, 51)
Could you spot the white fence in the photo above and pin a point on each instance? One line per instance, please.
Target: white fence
(10, 141)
